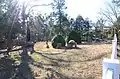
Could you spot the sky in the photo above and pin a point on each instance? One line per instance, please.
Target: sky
(85, 8)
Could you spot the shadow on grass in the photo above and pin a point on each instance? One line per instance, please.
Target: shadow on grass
(68, 61)
(96, 43)
(24, 68)
(59, 60)
(6, 67)
(10, 70)
(57, 53)
(57, 75)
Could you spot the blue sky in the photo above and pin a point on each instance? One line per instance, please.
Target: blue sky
(86, 8)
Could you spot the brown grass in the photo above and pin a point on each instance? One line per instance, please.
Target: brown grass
(83, 63)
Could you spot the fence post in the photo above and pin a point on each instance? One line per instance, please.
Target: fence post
(114, 48)
(111, 66)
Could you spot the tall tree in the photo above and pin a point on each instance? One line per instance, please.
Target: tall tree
(87, 27)
(59, 14)
(82, 26)
(99, 29)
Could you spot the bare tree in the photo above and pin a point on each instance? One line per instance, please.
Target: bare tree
(111, 13)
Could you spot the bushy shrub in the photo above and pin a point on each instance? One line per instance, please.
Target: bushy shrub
(73, 35)
(57, 40)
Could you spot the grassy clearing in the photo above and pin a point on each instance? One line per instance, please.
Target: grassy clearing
(82, 63)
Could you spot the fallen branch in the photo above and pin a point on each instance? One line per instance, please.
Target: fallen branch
(10, 50)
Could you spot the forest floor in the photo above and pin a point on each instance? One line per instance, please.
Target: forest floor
(85, 62)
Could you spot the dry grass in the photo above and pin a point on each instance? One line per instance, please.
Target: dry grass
(83, 63)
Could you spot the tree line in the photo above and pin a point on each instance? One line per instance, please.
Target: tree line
(18, 24)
